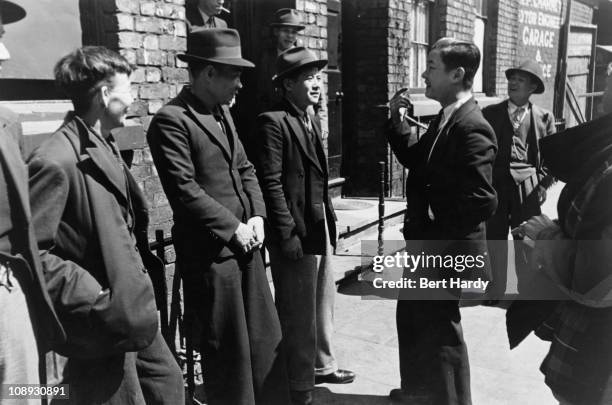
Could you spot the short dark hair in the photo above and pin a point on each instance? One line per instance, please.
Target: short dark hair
(455, 54)
(80, 73)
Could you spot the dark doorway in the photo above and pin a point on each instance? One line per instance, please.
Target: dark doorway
(335, 94)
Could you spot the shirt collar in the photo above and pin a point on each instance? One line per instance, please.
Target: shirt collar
(300, 112)
(205, 17)
(512, 107)
(448, 111)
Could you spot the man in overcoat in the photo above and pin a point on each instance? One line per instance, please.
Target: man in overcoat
(292, 168)
(218, 225)
(449, 197)
(91, 224)
(28, 323)
(519, 176)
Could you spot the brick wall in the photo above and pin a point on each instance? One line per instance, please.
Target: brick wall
(366, 75)
(503, 17)
(456, 19)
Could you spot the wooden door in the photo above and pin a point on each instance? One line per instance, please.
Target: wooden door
(334, 90)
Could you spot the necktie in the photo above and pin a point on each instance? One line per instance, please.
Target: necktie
(308, 126)
(517, 118)
(438, 129)
(211, 23)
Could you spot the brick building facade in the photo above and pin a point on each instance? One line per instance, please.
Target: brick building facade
(375, 47)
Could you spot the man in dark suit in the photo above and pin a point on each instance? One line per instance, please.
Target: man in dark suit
(91, 224)
(218, 225)
(292, 169)
(28, 323)
(518, 174)
(449, 197)
(204, 14)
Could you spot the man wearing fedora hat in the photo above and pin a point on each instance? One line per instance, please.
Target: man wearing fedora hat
(292, 168)
(518, 174)
(285, 27)
(218, 225)
(28, 322)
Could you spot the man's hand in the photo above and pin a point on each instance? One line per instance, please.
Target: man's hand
(244, 238)
(399, 105)
(541, 194)
(292, 248)
(257, 224)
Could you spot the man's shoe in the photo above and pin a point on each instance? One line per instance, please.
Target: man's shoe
(337, 377)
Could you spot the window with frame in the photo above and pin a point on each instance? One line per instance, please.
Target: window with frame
(420, 37)
(480, 25)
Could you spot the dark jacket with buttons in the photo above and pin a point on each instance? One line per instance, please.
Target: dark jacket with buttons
(209, 182)
(294, 179)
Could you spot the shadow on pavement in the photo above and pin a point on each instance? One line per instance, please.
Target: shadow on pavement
(325, 396)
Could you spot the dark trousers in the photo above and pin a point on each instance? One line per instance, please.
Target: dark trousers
(150, 376)
(515, 205)
(242, 359)
(433, 356)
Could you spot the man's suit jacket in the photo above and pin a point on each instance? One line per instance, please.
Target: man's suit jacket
(294, 178)
(456, 183)
(93, 268)
(542, 125)
(18, 242)
(194, 19)
(210, 183)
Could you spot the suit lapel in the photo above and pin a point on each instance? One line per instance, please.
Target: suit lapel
(465, 109)
(208, 123)
(106, 165)
(300, 134)
(316, 126)
(10, 153)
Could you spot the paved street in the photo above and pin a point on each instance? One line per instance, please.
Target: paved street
(366, 342)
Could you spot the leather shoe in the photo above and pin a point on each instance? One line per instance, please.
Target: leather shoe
(337, 377)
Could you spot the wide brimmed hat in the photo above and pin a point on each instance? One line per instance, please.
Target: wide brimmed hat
(296, 58)
(287, 17)
(217, 45)
(532, 68)
(11, 12)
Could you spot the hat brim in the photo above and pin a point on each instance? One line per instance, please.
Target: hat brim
(540, 84)
(319, 64)
(185, 57)
(296, 26)
(11, 12)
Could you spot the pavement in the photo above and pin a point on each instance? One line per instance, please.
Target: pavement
(366, 343)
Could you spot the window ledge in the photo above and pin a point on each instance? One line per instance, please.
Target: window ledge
(424, 106)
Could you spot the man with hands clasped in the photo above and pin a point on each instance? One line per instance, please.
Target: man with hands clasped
(218, 225)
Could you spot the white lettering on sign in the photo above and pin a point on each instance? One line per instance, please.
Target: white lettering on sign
(546, 5)
(537, 37)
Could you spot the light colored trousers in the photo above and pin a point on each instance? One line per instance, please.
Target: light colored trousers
(304, 295)
(18, 350)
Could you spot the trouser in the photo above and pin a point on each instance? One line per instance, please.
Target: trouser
(18, 350)
(433, 356)
(242, 360)
(513, 208)
(149, 376)
(305, 292)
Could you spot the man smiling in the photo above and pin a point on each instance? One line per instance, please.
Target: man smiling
(519, 177)
(292, 169)
(449, 198)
